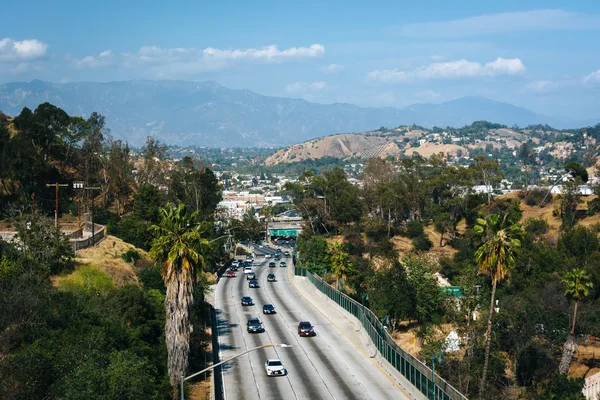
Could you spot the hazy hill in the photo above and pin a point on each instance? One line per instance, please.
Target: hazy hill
(208, 114)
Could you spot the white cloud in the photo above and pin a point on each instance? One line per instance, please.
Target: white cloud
(332, 68)
(187, 61)
(437, 58)
(24, 50)
(544, 85)
(534, 20)
(304, 87)
(594, 77)
(103, 59)
(451, 69)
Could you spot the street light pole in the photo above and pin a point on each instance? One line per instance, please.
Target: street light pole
(264, 346)
(437, 355)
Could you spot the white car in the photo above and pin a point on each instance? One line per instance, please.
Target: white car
(274, 367)
(247, 270)
(268, 256)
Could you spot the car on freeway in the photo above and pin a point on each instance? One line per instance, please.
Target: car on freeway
(286, 253)
(272, 264)
(248, 269)
(247, 301)
(230, 274)
(282, 264)
(255, 325)
(249, 257)
(271, 278)
(235, 263)
(269, 309)
(306, 329)
(250, 276)
(253, 284)
(278, 250)
(277, 257)
(268, 256)
(274, 367)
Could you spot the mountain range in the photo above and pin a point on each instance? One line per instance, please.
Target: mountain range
(211, 115)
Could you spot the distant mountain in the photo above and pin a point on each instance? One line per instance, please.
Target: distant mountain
(208, 114)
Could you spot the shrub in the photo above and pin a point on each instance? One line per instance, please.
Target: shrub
(536, 226)
(414, 229)
(422, 243)
(131, 254)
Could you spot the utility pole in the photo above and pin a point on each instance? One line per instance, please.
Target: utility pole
(56, 185)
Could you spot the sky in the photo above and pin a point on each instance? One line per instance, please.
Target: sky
(542, 55)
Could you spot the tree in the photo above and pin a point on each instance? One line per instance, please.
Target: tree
(180, 246)
(578, 285)
(577, 170)
(152, 172)
(495, 257)
(338, 259)
(487, 172)
(568, 204)
(527, 157)
(390, 293)
(119, 172)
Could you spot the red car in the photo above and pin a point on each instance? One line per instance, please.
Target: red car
(306, 329)
(230, 274)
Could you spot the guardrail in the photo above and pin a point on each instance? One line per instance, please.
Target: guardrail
(417, 373)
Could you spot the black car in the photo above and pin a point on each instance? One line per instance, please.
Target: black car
(253, 284)
(247, 263)
(306, 329)
(272, 264)
(277, 257)
(271, 278)
(255, 325)
(250, 276)
(247, 301)
(269, 309)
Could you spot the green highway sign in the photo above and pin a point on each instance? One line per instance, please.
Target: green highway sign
(283, 232)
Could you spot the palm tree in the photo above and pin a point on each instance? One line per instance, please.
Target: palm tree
(495, 257)
(339, 261)
(578, 285)
(179, 244)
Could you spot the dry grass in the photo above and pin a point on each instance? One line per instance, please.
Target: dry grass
(429, 149)
(107, 257)
(588, 354)
(404, 245)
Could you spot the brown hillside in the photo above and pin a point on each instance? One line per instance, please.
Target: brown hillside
(339, 146)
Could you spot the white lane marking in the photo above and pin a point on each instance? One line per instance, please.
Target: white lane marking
(345, 366)
(361, 385)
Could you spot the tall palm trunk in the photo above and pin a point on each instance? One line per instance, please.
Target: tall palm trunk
(574, 317)
(177, 325)
(488, 341)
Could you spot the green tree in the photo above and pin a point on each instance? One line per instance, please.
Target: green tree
(180, 246)
(339, 260)
(578, 285)
(147, 202)
(495, 257)
(390, 293)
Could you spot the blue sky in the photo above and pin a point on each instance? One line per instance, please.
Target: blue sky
(542, 55)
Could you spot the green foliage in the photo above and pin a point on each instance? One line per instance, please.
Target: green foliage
(146, 203)
(427, 296)
(131, 254)
(87, 280)
(536, 226)
(312, 252)
(577, 171)
(390, 293)
(422, 243)
(559, 387)
(134, 230)
(414, 229)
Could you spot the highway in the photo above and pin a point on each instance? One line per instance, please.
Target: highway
(327, 366)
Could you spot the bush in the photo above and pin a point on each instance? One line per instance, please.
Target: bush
(131, 254)
(534, 197)
(422, 243)
(536, 226)
(414, 229)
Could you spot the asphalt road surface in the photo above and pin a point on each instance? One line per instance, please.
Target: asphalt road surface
(327, 366)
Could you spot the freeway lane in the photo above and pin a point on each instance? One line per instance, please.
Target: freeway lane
(327, 366)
